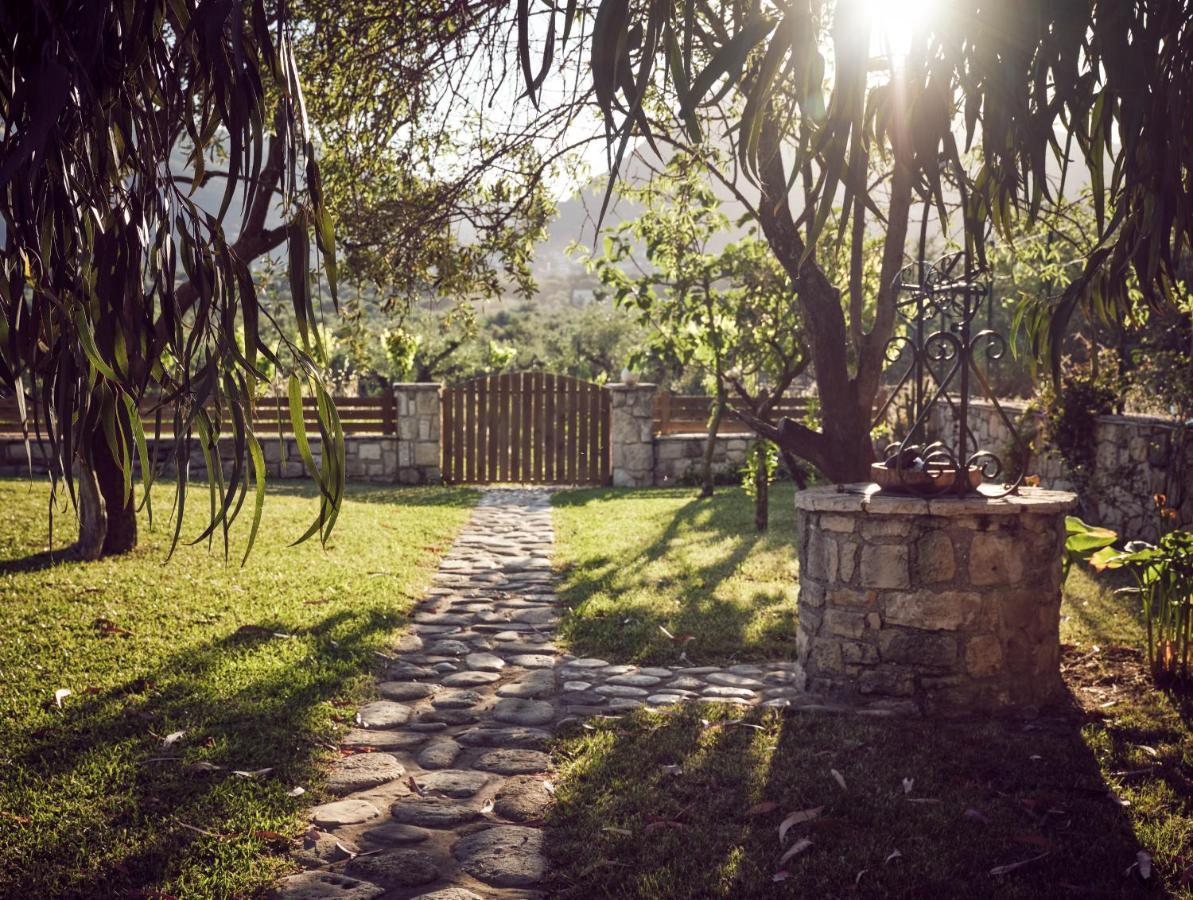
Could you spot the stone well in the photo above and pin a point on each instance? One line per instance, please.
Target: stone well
(950, 604)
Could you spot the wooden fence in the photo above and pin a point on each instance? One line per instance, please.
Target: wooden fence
(526, 427)
(688, 414)
(358, 415)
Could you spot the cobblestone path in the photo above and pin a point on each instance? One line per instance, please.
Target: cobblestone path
(449, 800)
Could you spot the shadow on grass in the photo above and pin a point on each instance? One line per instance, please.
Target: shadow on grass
(273, 718)
(659, 807)
(720, 627)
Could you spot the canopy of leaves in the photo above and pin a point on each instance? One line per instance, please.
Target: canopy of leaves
(1015, 78)
(98, 232)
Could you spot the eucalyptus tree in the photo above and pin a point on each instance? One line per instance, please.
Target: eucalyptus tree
(823, 110)
(115, 286)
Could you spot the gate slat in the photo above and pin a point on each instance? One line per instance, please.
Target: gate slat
(548, 439)
(582, 423)
(482, 432)
(458, 416)
(515, 437)
(561, 433)
(573, 420)
(469, 400)
(592, 471)
(491, 423)
(503, 449)
(524, 422)
(539, 427)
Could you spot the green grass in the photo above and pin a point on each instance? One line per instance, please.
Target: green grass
(635, 560)
(255, 664)
(628, 823)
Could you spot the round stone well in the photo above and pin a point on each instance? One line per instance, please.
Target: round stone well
(948, 604)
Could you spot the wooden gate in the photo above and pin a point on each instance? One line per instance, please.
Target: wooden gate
(526, 427)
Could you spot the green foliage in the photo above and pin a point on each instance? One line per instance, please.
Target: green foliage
(803, 73)
(1082, 541)
(1084, 394)
(1163, 574)
(761, 453)
(728, 312)
(100, 234)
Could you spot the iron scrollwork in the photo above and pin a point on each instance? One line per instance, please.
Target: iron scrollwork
(939, 303)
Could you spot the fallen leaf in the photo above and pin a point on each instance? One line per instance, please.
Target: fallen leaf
(1150, 751)
(672, 770)
(351, 854)
(762, 808)
(839, 778)
(107, 626)
(1011, 867)
(487, 807)
(858, 879)
(908, 784)
(798, 847)
(795, 818)
(172, 738)
(892, 856)
(624, 831)
(13, 817)
(271, 836)
(203, 765)
(296, 792)
(60, 695)
(1117, 800)
(975, 815)
(252, 773)
(781, 875)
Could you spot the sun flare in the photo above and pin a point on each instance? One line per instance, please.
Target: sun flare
(895, 24)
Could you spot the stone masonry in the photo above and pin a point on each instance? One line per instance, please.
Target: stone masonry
(1135, 458)
(951, 604)
(418, 432)
(632, 433)
(678, 457)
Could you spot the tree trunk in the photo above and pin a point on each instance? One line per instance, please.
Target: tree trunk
(707, 480)
(107, 519)
(93, 519)
(761, 488)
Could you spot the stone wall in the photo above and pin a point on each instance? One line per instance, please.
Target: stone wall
(631, 445)
(950, 605)
(419, 432)
(1136, 458)
(369, 458)
(678, 457)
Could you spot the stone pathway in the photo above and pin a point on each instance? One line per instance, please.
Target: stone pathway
(445, 798)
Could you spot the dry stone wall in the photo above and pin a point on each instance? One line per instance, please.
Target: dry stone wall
(1136, 457)
(678, 457)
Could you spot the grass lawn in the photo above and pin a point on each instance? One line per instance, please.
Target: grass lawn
(635, 560)
(688, 805)
(254, 665)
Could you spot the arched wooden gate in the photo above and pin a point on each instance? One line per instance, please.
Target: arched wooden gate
(526, 427)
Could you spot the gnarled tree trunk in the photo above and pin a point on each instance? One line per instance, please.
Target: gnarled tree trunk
(107, 518)
(707, 478)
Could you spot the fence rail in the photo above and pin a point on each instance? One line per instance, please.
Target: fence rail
(689, 414)
(358, 415)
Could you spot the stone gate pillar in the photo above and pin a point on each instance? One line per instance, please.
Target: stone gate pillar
(417, 409)
(631, 446)
(951, 605)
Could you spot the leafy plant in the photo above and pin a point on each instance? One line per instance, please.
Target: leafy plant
(1163, 574)
(1082, 541)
